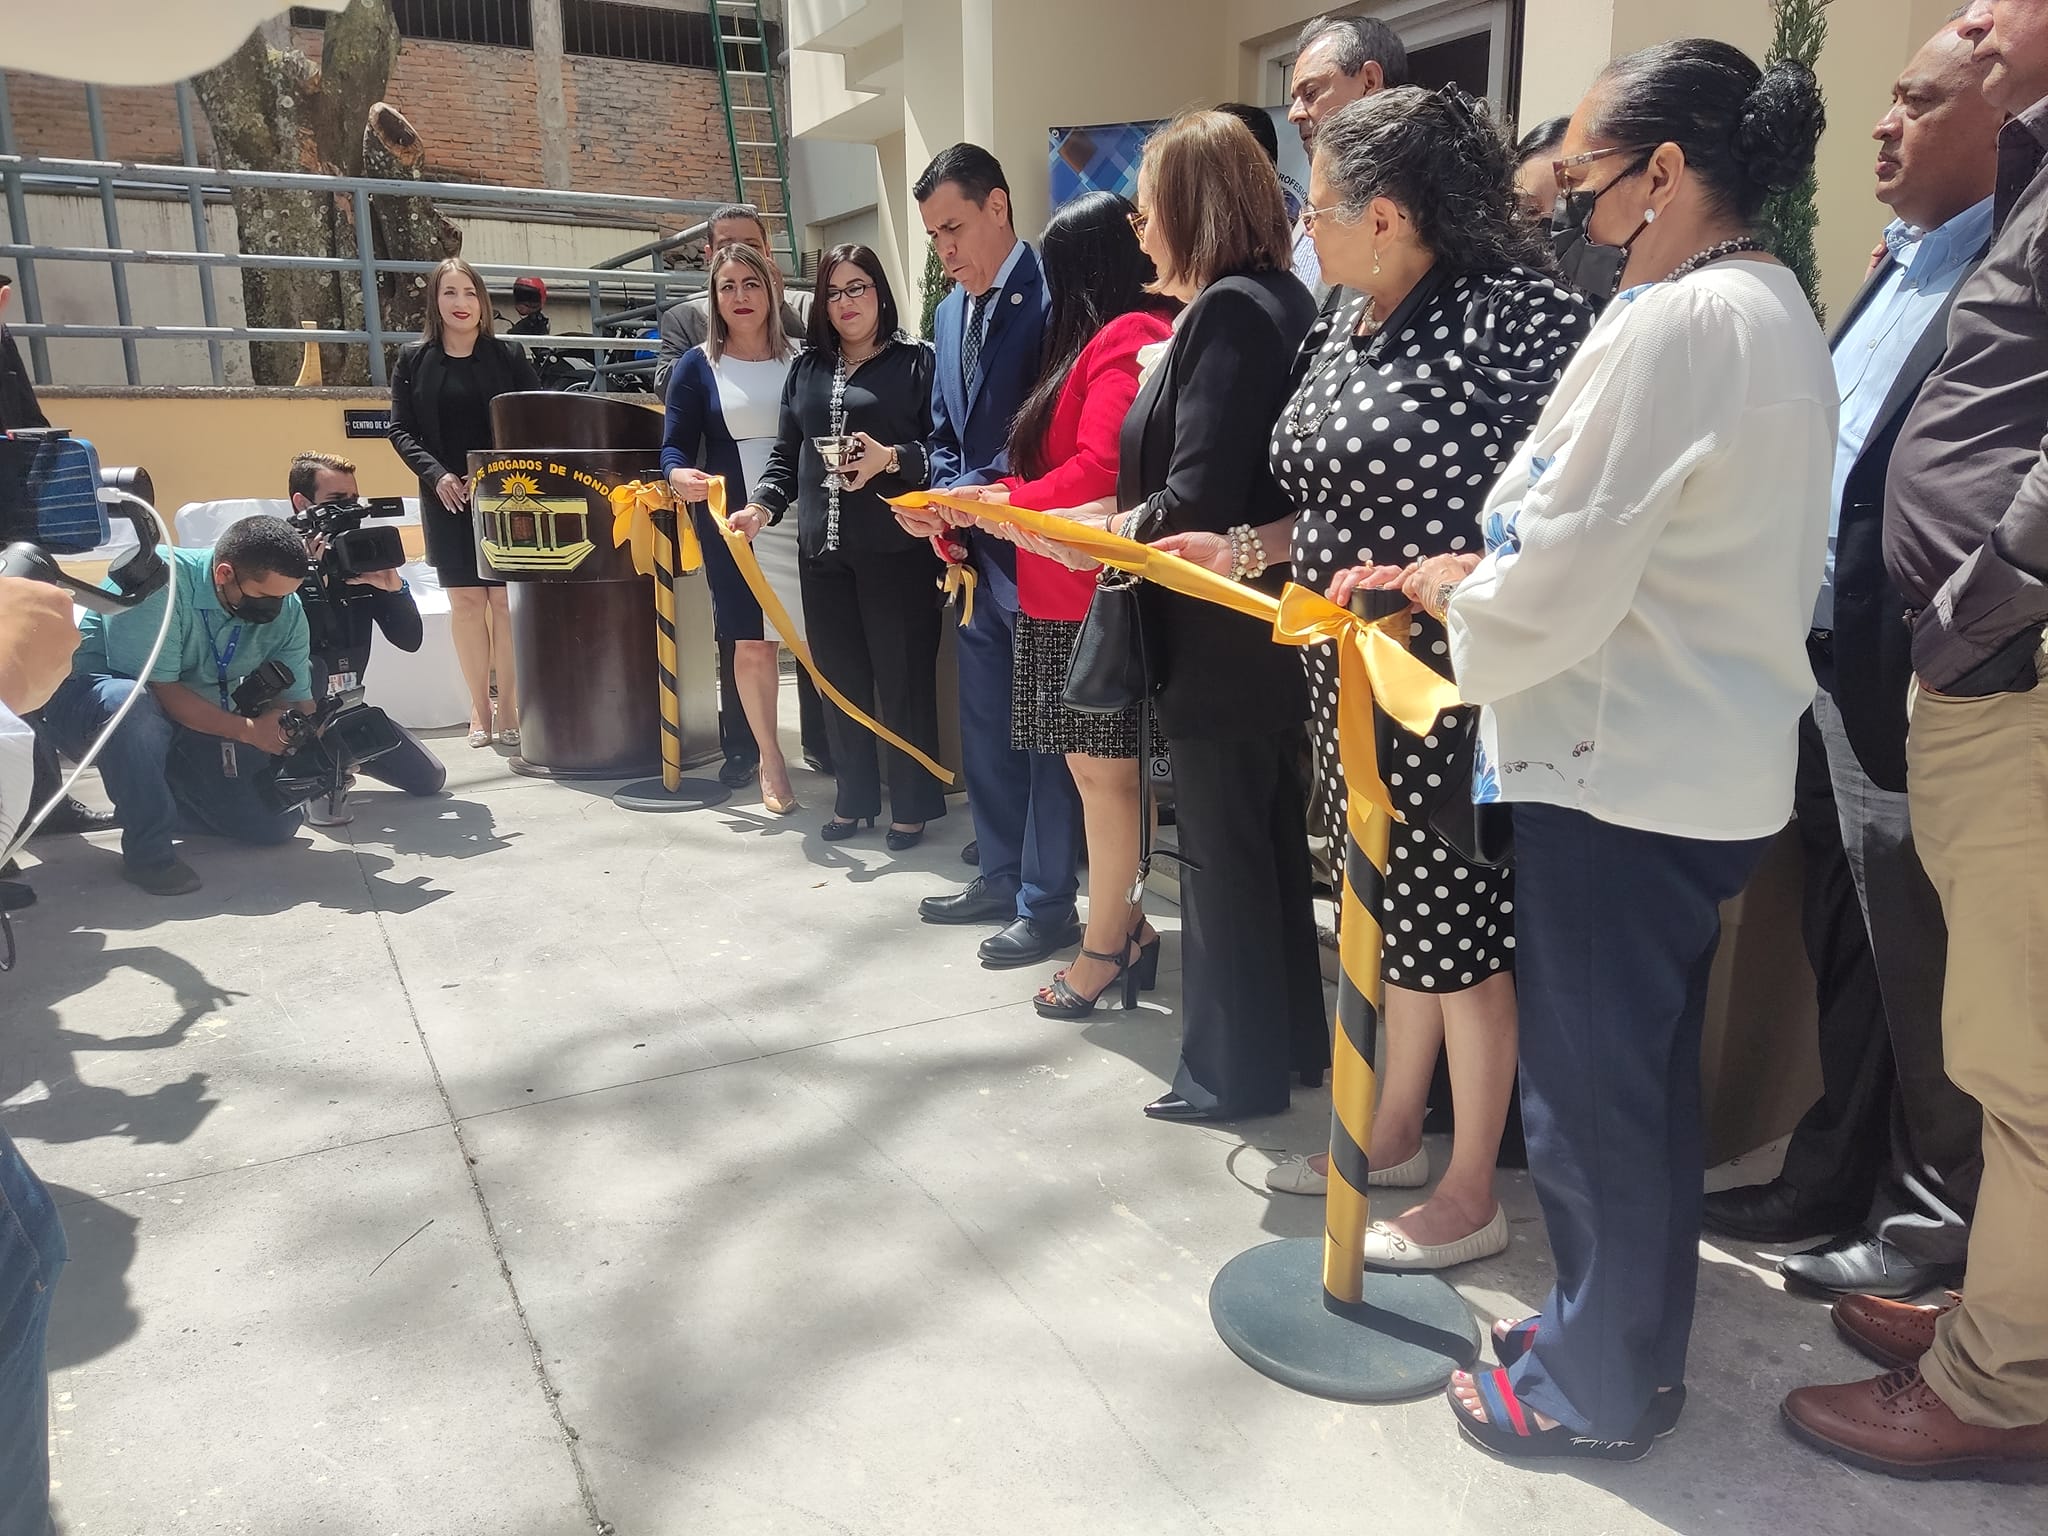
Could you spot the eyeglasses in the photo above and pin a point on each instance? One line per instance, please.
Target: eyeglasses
(1563, 169)
(1309, 215)
(854, 292)
(1140, 222)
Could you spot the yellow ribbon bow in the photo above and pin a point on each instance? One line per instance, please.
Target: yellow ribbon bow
(633, 506)
(958, 584)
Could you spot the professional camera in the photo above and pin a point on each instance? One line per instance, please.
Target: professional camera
(321, 747)
(50, 484)
(352, 550)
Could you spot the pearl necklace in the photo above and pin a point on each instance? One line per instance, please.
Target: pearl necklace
(1715, 253)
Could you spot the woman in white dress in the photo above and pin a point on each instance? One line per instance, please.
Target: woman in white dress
(724, 405)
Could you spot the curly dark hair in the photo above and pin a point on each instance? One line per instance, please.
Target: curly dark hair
(1445, 163)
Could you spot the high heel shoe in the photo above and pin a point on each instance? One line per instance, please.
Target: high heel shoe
(901, 838)
(839, 828)
(777, 805)
(1146, 966)
(1060, 999)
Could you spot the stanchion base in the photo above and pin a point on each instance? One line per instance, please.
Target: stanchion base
(527, 770)
(690, 795)
(1403, 1341)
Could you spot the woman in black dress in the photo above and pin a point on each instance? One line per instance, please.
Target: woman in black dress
(870, 590)
(1414, 392)
(441, 399)
(1230, 701)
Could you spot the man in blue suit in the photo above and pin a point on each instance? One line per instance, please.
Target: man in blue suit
(990, 332)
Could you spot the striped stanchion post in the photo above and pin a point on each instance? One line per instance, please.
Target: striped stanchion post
(671, 792)
(1308, 1313)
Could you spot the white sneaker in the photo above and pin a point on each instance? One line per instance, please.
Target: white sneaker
(1387, 1249)
(1298, 1176)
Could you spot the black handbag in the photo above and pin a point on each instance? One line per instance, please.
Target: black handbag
(1109, 671)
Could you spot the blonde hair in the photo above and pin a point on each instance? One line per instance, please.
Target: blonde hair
(1216, 200)
(716, 338)
(487, 321)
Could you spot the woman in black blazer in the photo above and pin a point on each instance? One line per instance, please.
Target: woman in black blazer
(870, 590)
(1231, 703)
(440, 413)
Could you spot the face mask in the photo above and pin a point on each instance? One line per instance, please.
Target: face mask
(251, 607)
(1594, 269)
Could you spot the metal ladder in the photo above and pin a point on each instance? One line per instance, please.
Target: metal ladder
(753, 121)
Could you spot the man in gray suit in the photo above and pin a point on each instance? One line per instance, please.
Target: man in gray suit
(685, 325)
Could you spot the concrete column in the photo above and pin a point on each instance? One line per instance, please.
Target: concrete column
(549, 103)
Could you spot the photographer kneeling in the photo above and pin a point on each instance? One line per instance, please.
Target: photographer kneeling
(183, 747)
(342, 615)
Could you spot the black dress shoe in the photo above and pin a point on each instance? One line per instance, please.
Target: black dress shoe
(1027, 941)
(74, 815)
(818, 762)
(1858, 1264)
(980, 902)
(738, 773)
(971, 854)
(1774, 1213)
(16, 894)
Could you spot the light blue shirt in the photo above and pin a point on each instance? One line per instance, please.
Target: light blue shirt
(1308, 266)
(206, 650)
(996, 288)
(1873, 348)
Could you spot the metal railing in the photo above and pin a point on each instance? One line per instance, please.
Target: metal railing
(640, 294)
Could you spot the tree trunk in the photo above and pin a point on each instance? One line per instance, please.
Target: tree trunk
(403, 228)
(275, 109)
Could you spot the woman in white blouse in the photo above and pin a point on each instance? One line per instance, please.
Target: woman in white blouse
(1636, 632)
(724, 409)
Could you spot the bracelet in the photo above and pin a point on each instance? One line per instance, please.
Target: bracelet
(1439, 603)
(1247, 554)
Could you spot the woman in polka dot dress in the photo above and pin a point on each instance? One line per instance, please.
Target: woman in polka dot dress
(1417, 386)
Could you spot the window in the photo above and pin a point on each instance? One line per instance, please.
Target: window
(598, 29)
(1465, 41)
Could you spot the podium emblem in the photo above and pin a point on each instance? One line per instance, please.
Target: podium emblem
(526, 531)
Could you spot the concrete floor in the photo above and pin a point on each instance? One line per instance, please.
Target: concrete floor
(509, 1163)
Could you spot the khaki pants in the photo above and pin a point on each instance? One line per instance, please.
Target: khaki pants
(1979, 794)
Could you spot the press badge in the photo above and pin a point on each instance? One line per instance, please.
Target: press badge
(230, 765)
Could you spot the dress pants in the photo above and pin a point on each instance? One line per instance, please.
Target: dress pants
(1978, 777)
(1932, 1135)
(873, 623)
(1251, 977)
(1027, 812)
(1615, 932)
(1838, 1147)
(31, 1254)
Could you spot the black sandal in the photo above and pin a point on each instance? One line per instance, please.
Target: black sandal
(1509, 1429)
(1659, 1419)
(1060, 999)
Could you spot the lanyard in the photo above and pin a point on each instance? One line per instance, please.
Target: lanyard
(222, 659)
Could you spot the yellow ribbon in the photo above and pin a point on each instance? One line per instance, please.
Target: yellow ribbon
(1372, 664)
(638, 498)
(959, 583)
(633, 506)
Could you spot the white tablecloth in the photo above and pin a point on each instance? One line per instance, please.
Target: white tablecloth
(422, 689)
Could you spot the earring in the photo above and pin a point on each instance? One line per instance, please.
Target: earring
(1375, 261)
(1649, 215)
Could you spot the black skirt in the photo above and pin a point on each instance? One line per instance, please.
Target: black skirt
(1039, 722)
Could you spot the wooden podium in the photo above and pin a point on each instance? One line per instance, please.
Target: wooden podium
(583, 630)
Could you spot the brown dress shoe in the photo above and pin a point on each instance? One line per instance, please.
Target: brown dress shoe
(1895, 1424)
(1893, 1333)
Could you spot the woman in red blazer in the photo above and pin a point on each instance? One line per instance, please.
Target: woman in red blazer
(1064, 447)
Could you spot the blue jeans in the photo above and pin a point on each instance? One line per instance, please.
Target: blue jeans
(161, 776)
(31, 1253)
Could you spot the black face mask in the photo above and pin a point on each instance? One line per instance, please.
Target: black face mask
(251, 607)
(1594, 269)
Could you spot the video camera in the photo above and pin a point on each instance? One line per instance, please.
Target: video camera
(50, 505)
(322, 747)
(352, 550)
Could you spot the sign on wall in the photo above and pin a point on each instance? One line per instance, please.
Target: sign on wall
(367, 423)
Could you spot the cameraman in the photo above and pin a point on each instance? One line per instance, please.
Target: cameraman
(183, 747)
(36, 642)
(341, 624)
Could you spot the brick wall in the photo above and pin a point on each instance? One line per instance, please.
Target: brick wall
(647, 129)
